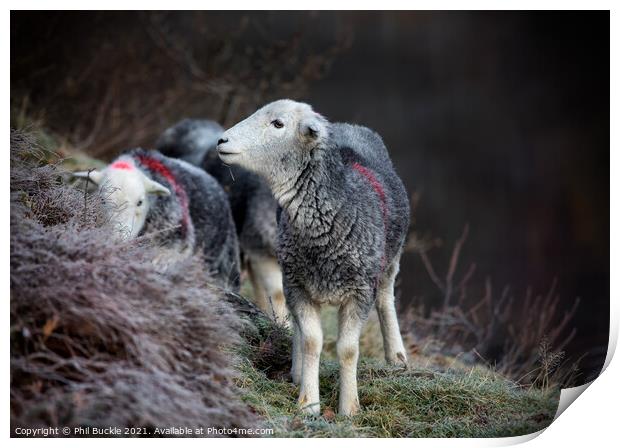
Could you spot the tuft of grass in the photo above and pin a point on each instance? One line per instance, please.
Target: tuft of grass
(432, 398)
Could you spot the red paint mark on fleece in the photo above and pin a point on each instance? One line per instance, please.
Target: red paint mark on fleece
(376, 185)
(163, 170)
(121, 165)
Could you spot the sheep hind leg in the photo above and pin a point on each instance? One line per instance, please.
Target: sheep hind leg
(393, 346)
(296, 355)
(267, 283)
(260, 296)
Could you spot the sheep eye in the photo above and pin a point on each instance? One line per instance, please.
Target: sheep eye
(277, 124)
(139, 202)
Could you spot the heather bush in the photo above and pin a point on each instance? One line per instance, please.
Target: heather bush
(100, 336)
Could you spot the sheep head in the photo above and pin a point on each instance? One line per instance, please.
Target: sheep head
(128, 190)
(275, 140)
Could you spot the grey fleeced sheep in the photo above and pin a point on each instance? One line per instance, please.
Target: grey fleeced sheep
(344, 219)
(182, 208)
(190, 140)
(252, 203)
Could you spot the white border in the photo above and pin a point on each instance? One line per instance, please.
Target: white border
(591, 421)
(316, 5)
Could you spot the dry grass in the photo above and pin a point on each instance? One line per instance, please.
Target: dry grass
(438, 396)
(523, 338)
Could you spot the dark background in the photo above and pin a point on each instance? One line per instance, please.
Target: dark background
(498, 120)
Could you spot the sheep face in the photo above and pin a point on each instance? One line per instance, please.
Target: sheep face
(275, 140)
(127, 189)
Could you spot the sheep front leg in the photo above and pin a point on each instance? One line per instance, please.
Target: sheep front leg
(392, 340)
(308, 320)
(349, 330)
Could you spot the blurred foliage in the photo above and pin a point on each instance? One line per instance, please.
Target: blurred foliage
(130, 75)
(523, 338)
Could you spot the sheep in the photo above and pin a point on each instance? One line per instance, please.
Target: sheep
(189, 140)
(341, 230)
(253, 207)
(179, 206)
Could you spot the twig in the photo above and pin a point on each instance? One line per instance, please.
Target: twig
(86, 193)
(454, 260)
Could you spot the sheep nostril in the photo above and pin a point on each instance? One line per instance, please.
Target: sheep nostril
(222, 140)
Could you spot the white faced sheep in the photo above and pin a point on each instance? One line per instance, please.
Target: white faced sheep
(344, 220)
(253, 207)
(179, 206)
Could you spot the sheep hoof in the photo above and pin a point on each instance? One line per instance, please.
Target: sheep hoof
(311, 409)
(350, 409)
(398, 360)
(307, 407)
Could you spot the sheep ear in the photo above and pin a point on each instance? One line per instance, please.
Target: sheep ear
(155, 187)
(312, 127)
(94, 175)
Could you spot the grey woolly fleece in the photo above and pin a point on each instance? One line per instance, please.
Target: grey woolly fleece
(208, 224)
(348, 219)
(345, 211)
(252, 203)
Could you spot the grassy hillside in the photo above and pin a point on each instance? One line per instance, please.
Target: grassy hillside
(436, 397)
